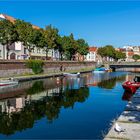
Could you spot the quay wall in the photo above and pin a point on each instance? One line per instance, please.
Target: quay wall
(10, 68)
(128, 69)
(129, 121)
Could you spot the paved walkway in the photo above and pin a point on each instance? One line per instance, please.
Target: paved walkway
(128, 120)
(41, 76)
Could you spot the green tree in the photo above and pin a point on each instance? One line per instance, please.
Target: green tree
(38, 38)
(60, 46)
(51, 36)
(110, 51)
(82, 47)
(136, 57)
(8, 34)
(107, 51)
(119, 55)
(70, 46)
(101, 51)
(26, 34)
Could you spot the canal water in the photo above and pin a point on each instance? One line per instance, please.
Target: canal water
(63, 107)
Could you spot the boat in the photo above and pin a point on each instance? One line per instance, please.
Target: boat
(131, 86)
(100, 70)
(8, 82)
(71, 74)
(92, 84)
(108, 70)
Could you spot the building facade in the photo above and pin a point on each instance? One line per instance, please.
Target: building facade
(92, 54)
(18, 51)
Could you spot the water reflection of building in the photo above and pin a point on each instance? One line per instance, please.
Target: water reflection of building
(17, 103)
(12, 104)
(36, 90)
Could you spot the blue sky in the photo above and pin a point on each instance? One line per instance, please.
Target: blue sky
(98, 22)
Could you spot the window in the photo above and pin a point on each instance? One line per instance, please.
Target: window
(33, 50)
(25, 52)
(38, 50)
(44, 51)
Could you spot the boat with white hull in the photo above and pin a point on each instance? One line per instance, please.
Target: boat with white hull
(8, 82)
(71, 74)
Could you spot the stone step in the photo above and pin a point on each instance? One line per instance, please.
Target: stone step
(135, 100)
(132, 107)
(130, 116)
(132, 131)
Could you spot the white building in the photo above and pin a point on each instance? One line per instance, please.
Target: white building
(91, 56)
(18, 51)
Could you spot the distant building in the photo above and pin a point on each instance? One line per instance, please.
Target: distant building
(92, 53)
(130, 51)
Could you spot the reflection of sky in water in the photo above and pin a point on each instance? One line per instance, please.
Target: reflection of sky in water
(62, 107)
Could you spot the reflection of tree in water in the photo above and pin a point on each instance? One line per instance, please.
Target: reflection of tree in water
(67, 99)
(48, 107)
(16, 122)
(110, 83)
(36, 88)
(73, 96)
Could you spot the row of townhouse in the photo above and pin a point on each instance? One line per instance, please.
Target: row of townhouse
(93, 56)
(128, 50)
(18, 51)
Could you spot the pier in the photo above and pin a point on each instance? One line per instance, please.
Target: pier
(128, 120)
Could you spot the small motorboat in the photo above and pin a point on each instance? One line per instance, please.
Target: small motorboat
(92, 84)
(131, 86)
(8, 82)
(108, 70)
(96, 71)
(71, 74)
(100, 70)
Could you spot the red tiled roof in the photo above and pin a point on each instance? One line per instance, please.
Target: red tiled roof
(130, 53)
(92, 49)
(12, 19)
(35, 27)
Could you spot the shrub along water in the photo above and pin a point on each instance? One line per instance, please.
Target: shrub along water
(35, 65)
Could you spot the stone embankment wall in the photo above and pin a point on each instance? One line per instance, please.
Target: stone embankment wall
(128, 69)
(14, 68)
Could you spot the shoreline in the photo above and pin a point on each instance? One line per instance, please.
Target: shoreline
(43, 76)
(128, 120)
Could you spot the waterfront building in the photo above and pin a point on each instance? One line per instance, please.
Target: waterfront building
(92, 54)
(19, 52)
(130, 51)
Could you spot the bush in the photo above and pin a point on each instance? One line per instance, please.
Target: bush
(35, 65)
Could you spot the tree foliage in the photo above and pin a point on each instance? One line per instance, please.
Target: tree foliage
(51, 36)
(35, 65)
(70, 46)
(25, 33)
(136, 57)
(8, 34)
(119, 55)
(109, 51)
(82, 47)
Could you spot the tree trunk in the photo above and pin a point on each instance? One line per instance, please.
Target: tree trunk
(61, 56)
(7, 53)
(46, 54)
(29, 54)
